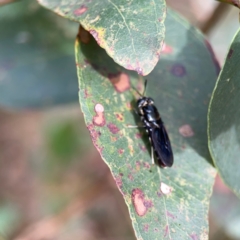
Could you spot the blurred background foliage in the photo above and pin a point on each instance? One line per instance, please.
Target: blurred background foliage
(53, 184)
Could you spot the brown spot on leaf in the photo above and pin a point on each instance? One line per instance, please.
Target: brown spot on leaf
(80, 10)
(113, 128)
(146, 165)
(83, 35)
(138, 202)
(119, 117)
(186, 130)
(120, 81)
(99, 118)
(86, 94)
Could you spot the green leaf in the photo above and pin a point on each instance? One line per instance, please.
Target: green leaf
(37, 60)
(163, 203)
(131, 32)
(224, 119)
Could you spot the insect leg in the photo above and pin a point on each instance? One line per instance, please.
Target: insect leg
(134, 126)
(152, 155)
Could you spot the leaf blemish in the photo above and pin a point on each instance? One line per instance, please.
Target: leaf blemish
(166, 231)
(119, 117)
(80, 10)
(120, 151)
(178, 70)
(166, 49)
(113, 128)
(186, 130)
(95, 135)
(86, 93)
(194, 236)
(99, 118)
(130, 177)
(141, 205)
(165, 189)
(120, 81)
(118, 180)
(145, 227)
(170, 215)
(143, 148)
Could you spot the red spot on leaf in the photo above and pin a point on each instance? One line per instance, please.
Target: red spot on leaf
(130, 177)
(86, 94)
(95, 135)
(194, 236)
(99, 118)
(141, 205)
(178, 70)
(138, 135)
(146, 165)
(120, 81)
(128, 105)
(118, 180)
(170, 215)
(95, 35)
(138, 202)
(80, 10)
(166, 49)
(143, 148)
(186, 130)
(145, 227)
(166, 231)
(113, 128)
(120, 151)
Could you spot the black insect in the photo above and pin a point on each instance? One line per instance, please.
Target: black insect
(157, 133)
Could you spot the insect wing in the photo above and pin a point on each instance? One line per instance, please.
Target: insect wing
(162, 146)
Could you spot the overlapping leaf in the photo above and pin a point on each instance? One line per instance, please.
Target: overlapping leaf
(224, 119)
(163, 203)
(36, 57)
(131, 32)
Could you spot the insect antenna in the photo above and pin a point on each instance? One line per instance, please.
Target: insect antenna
(145, 86)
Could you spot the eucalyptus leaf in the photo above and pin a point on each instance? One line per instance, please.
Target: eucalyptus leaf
(163, 203)
(37, 66)
(224, 119)
(132, 32)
